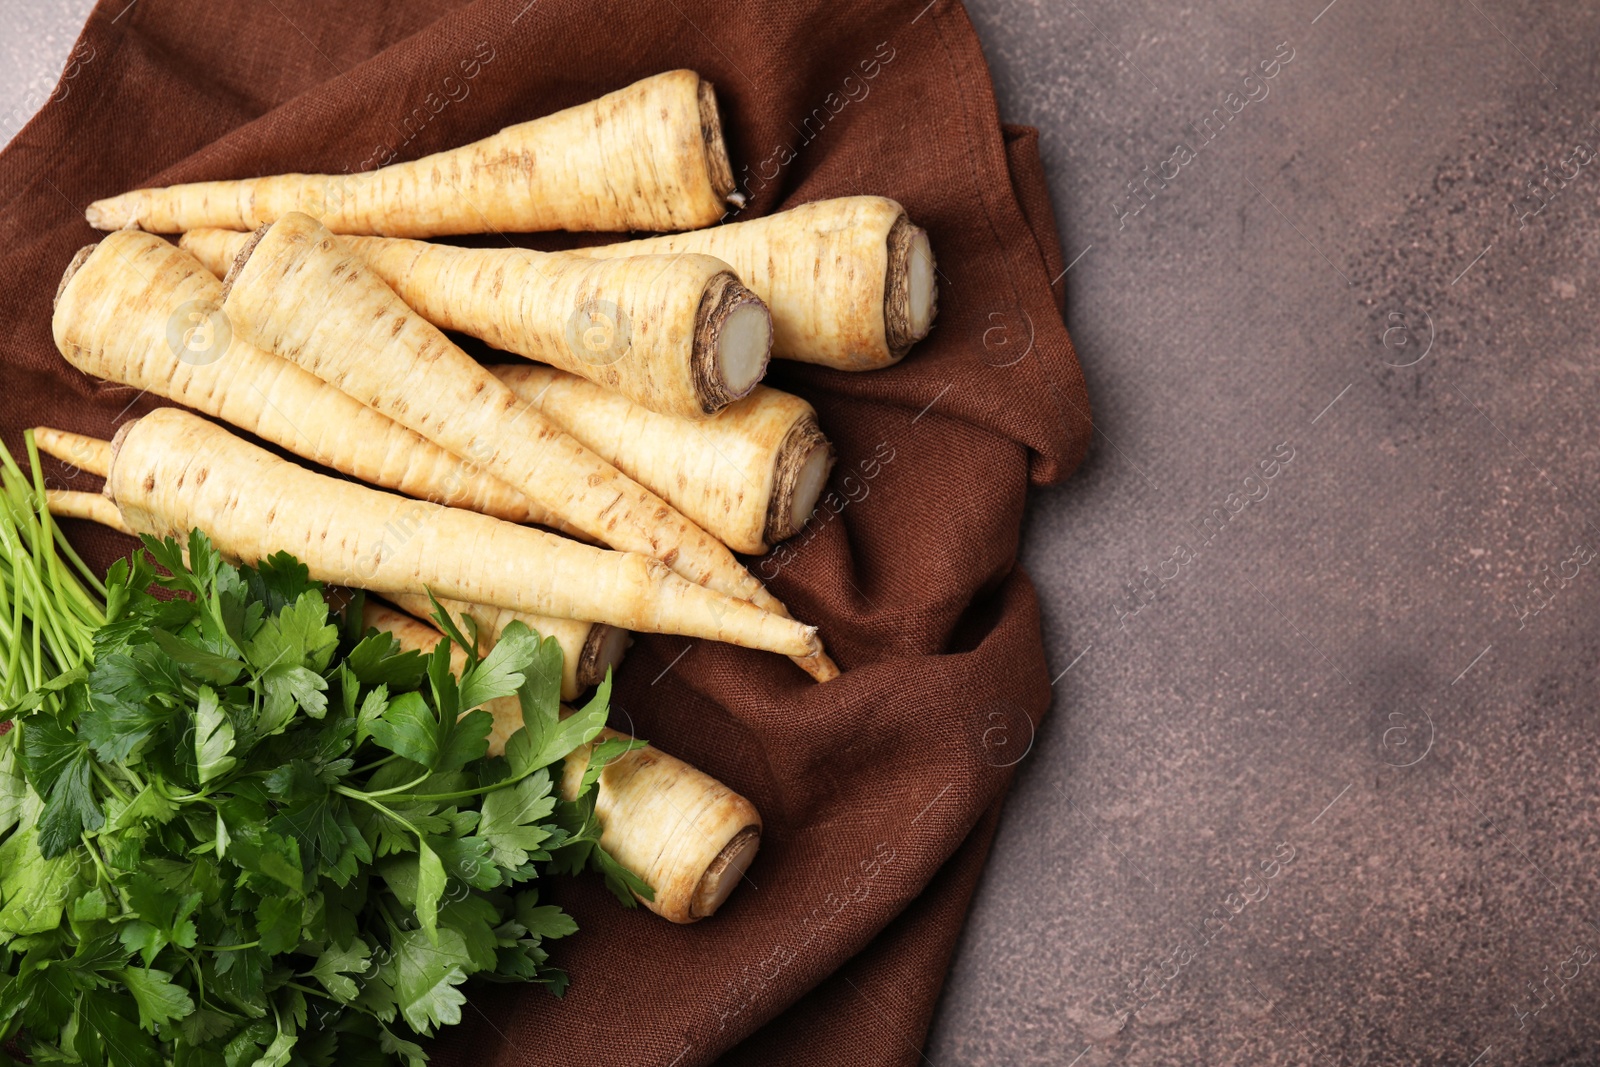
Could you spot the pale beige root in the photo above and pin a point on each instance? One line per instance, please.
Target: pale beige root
(141, 312)
(689, 837)
(217, 249)
(301, 292)
(172, 471)
(587, 649)
(92, 507)
(646, 157)
(85, 453)
(751, 475)
(678, 334)
(850, 282)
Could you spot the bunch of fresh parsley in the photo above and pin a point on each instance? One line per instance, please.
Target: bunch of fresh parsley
(244, 834)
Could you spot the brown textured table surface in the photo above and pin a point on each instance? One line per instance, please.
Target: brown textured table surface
(1320, 782)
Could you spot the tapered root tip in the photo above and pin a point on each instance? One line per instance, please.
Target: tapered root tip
(718, 167)
(85, 453)
(90, 507)
(602, 652)
(725, 872)
(75, 264)
(800, 472)
(819, 665)
(732, 343)
(241, 259)
(99, 215)
(910, 288)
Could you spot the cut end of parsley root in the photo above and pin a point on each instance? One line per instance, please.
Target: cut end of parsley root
(725, 872)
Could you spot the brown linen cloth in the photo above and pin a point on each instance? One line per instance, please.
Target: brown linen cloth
(880, 790)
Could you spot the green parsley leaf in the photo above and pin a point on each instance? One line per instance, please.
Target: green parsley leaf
(408, 728)
(338, 969)
(500, 673)
(57, 763)
(377, 660)
(464, 740)
(545, 736)
(34, 888)
(372, 709)
(543, 920)
(213, 737)
(287, 689)
(426, 977)
(431, 882)
(159, 1000)
(13, 786)
(513, 819)
(278, 581)
(198, 662)
(109, 1034)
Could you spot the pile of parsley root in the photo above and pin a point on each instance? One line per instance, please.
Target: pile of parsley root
(597, 483)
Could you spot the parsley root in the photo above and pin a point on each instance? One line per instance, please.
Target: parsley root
(688, 836)
(172, 472)
(91, 507)
(851, 282)
(588, 650)
(751, 475)
(299, 291)
(85, 453)
(135, 310)
(677, 334)
(646, 157)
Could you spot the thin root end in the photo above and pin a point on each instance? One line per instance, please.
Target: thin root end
(78, 450)
(819, 665)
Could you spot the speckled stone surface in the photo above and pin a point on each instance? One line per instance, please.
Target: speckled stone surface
(35, 40)
(1320, 783)
(1379, 662)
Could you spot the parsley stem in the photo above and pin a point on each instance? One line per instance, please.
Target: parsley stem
(366, 798)
(309, 989)
(400, 788)
(483, 790)
(105, 780)
(375, 764)
(228, 948)
(178, 798)
(94, 854)
(199, 975)
(430, 798)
